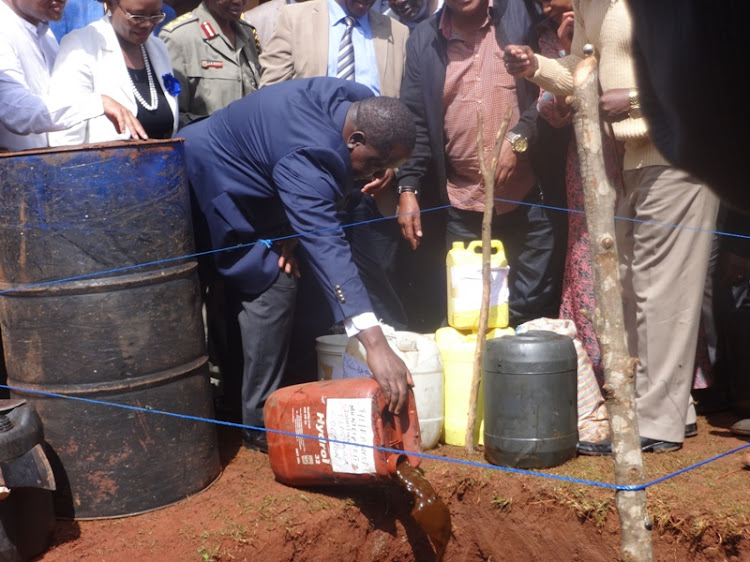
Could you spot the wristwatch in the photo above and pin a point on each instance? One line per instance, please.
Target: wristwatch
(635, 104)
(518, 143)
(407, 189)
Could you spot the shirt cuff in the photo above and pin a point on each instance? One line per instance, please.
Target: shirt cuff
(355, 324)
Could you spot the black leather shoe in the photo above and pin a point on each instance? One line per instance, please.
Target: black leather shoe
(595, 449)
(691, 430)
(603, 448)
(255, 440)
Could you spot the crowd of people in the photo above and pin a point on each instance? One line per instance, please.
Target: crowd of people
(300, 118)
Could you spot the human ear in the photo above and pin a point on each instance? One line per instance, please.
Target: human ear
(357, 137)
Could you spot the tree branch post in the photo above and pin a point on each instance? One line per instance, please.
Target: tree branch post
(488, 179)
(619, 367)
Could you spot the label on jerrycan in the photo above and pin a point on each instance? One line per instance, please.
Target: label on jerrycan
(344, 419)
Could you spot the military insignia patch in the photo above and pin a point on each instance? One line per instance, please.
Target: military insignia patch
(212, 64)
(208, 30)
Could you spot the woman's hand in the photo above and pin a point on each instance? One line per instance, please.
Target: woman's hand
(122, 118)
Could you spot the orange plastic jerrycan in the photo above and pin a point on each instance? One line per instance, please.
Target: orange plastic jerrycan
(324, 424)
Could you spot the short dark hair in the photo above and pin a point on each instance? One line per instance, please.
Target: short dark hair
(386, 122)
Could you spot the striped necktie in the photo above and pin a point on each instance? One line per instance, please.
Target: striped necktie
(345, 67)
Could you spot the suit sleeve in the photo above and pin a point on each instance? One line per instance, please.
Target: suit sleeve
(309, 190)
(276, 60)
(412, 172)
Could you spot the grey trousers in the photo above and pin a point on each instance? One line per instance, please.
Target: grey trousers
(664, 252)
(265, 324)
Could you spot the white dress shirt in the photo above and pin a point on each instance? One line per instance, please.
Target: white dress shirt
(28, 110)
(365, 61)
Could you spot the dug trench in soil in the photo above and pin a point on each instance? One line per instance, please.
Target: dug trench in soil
(702, 515)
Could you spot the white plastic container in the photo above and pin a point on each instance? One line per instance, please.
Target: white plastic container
(427, 371)
(330, 350)
(422, 358)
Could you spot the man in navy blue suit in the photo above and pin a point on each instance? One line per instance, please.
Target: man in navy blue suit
(275, 164)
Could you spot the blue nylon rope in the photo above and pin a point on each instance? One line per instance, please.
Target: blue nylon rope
(269, 242)
(594, 483)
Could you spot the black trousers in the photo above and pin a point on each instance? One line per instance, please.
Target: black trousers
(528, 237)
(265, 323)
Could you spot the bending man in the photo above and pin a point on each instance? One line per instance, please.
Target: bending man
(274, 164)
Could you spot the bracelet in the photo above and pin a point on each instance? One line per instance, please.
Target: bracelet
(633, 98)
(635, 104)
(407, 189)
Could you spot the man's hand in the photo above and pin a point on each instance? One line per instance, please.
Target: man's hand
(387, 368)
(506, 163)
(520, 61)
(380, 182)
(408, 218)
(614, 104)
(121, 117)
(565, 31)
(287, 262)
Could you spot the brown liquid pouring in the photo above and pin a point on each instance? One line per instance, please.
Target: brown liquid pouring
(429, 511)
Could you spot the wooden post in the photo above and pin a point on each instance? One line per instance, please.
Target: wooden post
(488, 179)
(619, 367)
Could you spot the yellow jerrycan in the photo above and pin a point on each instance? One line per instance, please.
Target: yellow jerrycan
(457, 352)
(463, 267)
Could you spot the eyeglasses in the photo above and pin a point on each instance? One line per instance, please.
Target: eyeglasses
(136, 19)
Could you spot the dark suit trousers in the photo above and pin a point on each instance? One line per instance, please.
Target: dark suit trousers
(528, 238)
(265, 323)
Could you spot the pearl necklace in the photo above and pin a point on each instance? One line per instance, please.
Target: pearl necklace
(151, 85)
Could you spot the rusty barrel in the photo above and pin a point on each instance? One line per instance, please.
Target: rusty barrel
(80, 322)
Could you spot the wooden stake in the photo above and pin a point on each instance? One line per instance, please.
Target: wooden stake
(488, 179)
(619, 367)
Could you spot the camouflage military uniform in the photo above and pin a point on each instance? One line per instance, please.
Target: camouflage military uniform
(212, 73)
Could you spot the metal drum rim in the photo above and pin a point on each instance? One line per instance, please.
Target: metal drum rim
(135, 383)
(99, 284)
(94, 147)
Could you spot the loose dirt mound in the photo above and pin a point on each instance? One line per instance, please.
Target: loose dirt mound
(246, 515)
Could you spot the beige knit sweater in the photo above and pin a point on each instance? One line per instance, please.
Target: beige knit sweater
(606, 24)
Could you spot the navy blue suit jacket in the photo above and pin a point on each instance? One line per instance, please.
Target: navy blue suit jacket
(270, 161)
